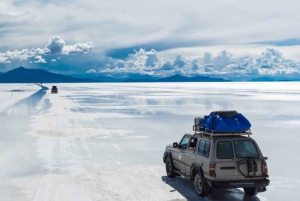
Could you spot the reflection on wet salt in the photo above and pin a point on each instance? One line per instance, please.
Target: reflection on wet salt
(90, 126)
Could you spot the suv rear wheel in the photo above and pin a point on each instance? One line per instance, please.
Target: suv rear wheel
(251, 191)
(169, 168)
(199, 185)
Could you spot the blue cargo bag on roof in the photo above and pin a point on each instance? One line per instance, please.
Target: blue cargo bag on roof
(225, 121)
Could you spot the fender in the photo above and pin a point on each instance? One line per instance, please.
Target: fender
(168, 154)
(195, 166)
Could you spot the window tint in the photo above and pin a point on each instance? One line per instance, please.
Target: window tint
(184, 142)
(245, 148)
(224, 150)
(201, 147)
(204, 148)
(207, 149)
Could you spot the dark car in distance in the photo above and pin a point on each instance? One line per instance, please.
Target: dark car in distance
(54, 90)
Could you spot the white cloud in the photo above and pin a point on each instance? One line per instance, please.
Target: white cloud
(39, 59)
(224, 64)
(78, 48)
(56, 45)
(109, 25)
(179, 61)
(53, 60)
(91, 71)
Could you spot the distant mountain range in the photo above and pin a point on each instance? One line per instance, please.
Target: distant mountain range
(24, 75)
(179, 78)
(273, 79)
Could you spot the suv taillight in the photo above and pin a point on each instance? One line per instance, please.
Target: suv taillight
(212, 171)
(265, 168)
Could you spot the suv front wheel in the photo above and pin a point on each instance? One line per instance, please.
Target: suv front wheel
(169, 168)
(251, 191)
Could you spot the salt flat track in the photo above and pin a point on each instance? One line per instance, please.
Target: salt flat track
(105, 142)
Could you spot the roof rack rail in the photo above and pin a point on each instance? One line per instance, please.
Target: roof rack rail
(202, 131)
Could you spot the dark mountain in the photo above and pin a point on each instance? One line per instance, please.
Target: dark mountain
(117, 77)
(263, 79)
(24, 75)
(138, 77)
(274, 79)
(179, 78)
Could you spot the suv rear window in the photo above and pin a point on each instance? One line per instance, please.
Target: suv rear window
(224, 150)
(245, 148)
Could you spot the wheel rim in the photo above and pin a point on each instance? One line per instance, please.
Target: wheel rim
(169, 167)
(199, 185)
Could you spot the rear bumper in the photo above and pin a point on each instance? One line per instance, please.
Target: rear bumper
(239, 184)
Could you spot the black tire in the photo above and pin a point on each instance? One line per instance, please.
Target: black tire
(251, 191)
(199, 185)
(169, 168)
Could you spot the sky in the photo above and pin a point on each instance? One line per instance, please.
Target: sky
(234, 39)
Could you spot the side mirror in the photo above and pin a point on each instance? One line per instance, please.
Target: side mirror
(175, 144)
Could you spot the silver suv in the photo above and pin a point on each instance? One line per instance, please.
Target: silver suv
(218, 160)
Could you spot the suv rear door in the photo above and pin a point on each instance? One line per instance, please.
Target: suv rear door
(225, 160)
(248, 159)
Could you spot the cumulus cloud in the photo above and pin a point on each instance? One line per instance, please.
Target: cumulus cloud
(79, 48)
(53, 60)
(225, 64)
(179, 61)
(39, 59)
(91, 71)
(56, 45)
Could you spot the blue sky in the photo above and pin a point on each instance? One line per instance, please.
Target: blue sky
(235, 39)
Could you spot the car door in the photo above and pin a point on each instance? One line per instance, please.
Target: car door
(189, 155)
(202, 155)
(248, 159)
(178, 153)
(225, 160)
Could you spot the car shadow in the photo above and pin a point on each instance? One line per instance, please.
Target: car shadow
(186, 189)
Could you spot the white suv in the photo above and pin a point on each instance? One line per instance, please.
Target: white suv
(219, 160)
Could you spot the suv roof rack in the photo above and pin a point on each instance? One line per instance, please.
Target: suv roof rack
(202, 131)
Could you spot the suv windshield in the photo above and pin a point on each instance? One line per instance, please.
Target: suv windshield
(245, 148)
(184, 142)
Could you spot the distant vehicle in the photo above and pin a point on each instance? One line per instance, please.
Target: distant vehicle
(54, 90)
(218, 160)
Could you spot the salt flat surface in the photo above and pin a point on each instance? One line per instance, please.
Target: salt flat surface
(106, 141)
(12, 93)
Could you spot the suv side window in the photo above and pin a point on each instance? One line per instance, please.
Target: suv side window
(201, 147)
(207, 149)
(184, 142)
(204, 148)
(224, 150)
